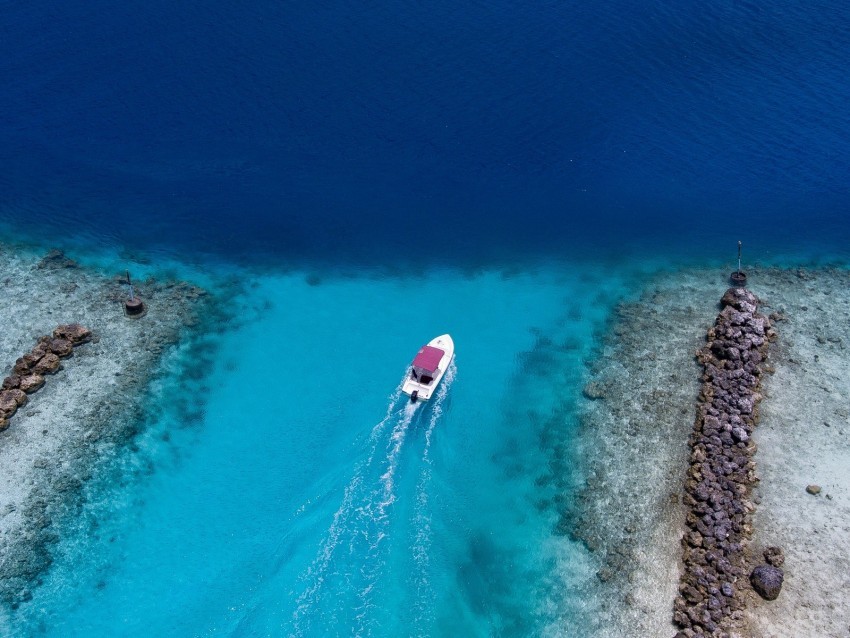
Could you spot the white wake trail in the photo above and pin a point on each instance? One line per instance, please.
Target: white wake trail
(361, 524)
(422, 517)
(375, 515)
(318, 569)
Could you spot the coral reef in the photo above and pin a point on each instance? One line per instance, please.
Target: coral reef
(59, 440)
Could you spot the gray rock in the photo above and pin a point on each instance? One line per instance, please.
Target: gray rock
(767, 581)
(739, 434)
(594, 390)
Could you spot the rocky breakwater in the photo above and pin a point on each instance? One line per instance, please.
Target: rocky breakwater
(722, 471)
(30, 370)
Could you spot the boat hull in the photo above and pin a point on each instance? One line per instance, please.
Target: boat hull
(425, 391)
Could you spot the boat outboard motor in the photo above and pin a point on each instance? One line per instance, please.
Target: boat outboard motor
(414, 396)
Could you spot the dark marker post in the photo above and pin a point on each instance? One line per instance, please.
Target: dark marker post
(739, 278)
(133, 307)
(739, 260)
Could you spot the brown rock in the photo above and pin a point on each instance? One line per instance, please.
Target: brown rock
(774, 556)
(813, 489)
(4, 424)
(31, 383)
(8, 406)
(73, 332)
(695, 539)
(692, 594)
(48, 364)
(32, 357)
(12, 381)
(61, 347)
(22, 366)
(18, 395)
(40, 349)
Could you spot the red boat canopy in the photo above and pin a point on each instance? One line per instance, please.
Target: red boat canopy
(428, 358)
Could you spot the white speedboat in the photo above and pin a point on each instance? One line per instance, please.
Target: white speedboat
(428, 368)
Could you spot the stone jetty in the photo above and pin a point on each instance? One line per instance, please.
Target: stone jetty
(30, 370)
(722, 471)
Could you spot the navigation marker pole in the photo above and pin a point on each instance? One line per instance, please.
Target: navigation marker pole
(738, 278)
(133, 307)
(739, 259)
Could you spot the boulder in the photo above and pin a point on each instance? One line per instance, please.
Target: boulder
(41, 348)
(31, 382)
(740, 434)
(73, 332)
(10, 400)
(19, 396)
(48, 364)
(767, 581)
(32, 357)
(61, 347)
(4, 424)
(12, 381)
(22, 366)
(814, 490)
(56, 259)
(736, 297)
(594, 390)
(774, 556)
(8, 405)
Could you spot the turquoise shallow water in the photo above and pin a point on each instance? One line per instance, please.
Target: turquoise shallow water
(308, 498)
(284, 491)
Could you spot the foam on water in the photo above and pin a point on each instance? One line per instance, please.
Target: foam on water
(361, 522)
(421, 543)
(317, 571)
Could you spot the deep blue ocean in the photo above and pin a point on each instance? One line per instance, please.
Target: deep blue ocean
(334, 131)
(376, 174)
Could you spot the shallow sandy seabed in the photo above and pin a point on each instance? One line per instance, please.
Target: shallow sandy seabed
(639, 414)
(637, 418)
(88, 407)
(804, 439)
